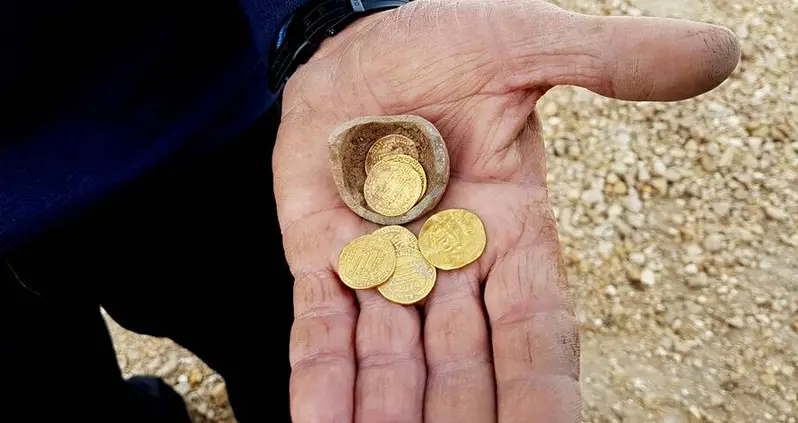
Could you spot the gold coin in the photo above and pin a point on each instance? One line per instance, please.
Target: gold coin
(400, 237)
(404, 158)
(367, 261)
(412, 280)
(389, 145)
(392, 188)
(452, 239)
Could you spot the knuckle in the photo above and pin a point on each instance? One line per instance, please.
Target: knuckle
(538, 344)
(325, 318)
(458, 288)
(319, 293)
(456, 329)
(400, 338)
(461, 364)
(323, 336)
(527, 281)
(383, 359)
(320, 359)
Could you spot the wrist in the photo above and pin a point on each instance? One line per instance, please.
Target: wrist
(302, 33)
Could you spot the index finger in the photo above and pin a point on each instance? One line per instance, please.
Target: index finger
(315, 226)
(322, 347)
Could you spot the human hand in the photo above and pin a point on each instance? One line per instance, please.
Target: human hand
(475, 69)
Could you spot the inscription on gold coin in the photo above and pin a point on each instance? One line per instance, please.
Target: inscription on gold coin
(390, 145)
(366, 262)
(412, 280)
(392, 188)
(400, 237)
(403, 158)
(452, 239)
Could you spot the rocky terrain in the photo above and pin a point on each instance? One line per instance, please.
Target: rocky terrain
(680, 227)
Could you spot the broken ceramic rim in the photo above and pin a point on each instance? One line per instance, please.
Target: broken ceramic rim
(441, 168)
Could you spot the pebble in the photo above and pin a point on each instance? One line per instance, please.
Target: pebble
(182, 388)
(736, 322)
(219, 393)
(727, 157)
(643, 174)
(693, 250)
(636, 220)
(673, 175)
(634, 274)
(633, 202)
(168, 368)
(721, 208)
(776, 213)
(195, 377)
(637, 258)
(700, 280)
(708, 163)
(661, 185)
(592, 196)
(713, 242)
(647, 277)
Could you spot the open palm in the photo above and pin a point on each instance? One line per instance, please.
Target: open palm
(475, 69)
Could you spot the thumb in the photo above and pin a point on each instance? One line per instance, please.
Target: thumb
(627, 58)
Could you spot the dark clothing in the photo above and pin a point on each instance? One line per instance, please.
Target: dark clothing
(96, 93)
(191, 252)
(126, 183)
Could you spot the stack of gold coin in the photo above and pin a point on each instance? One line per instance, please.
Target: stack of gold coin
(388, 259)
(395, 180)
(403, 267)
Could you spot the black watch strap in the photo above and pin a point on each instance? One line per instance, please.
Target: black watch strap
(302, 33)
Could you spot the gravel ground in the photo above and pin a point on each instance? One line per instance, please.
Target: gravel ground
(679, 224)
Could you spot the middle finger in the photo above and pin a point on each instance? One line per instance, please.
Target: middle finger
(390, 362)
(460, 383)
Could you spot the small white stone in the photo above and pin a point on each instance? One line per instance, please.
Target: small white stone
(659, 167)
(647, 277)
(736, 322)
(776, 213)
(691, 269)
(614, 210)
(633, 202)
(592, 196)
(713, 242)
(693, 250)
(636, 220)
(606, 248)
(722, 208)
(182, 388)
(637, 258)
(643, 174)
(673, 175)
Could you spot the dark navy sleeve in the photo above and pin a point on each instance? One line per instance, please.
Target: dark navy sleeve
(265, 16)
(95, 93)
